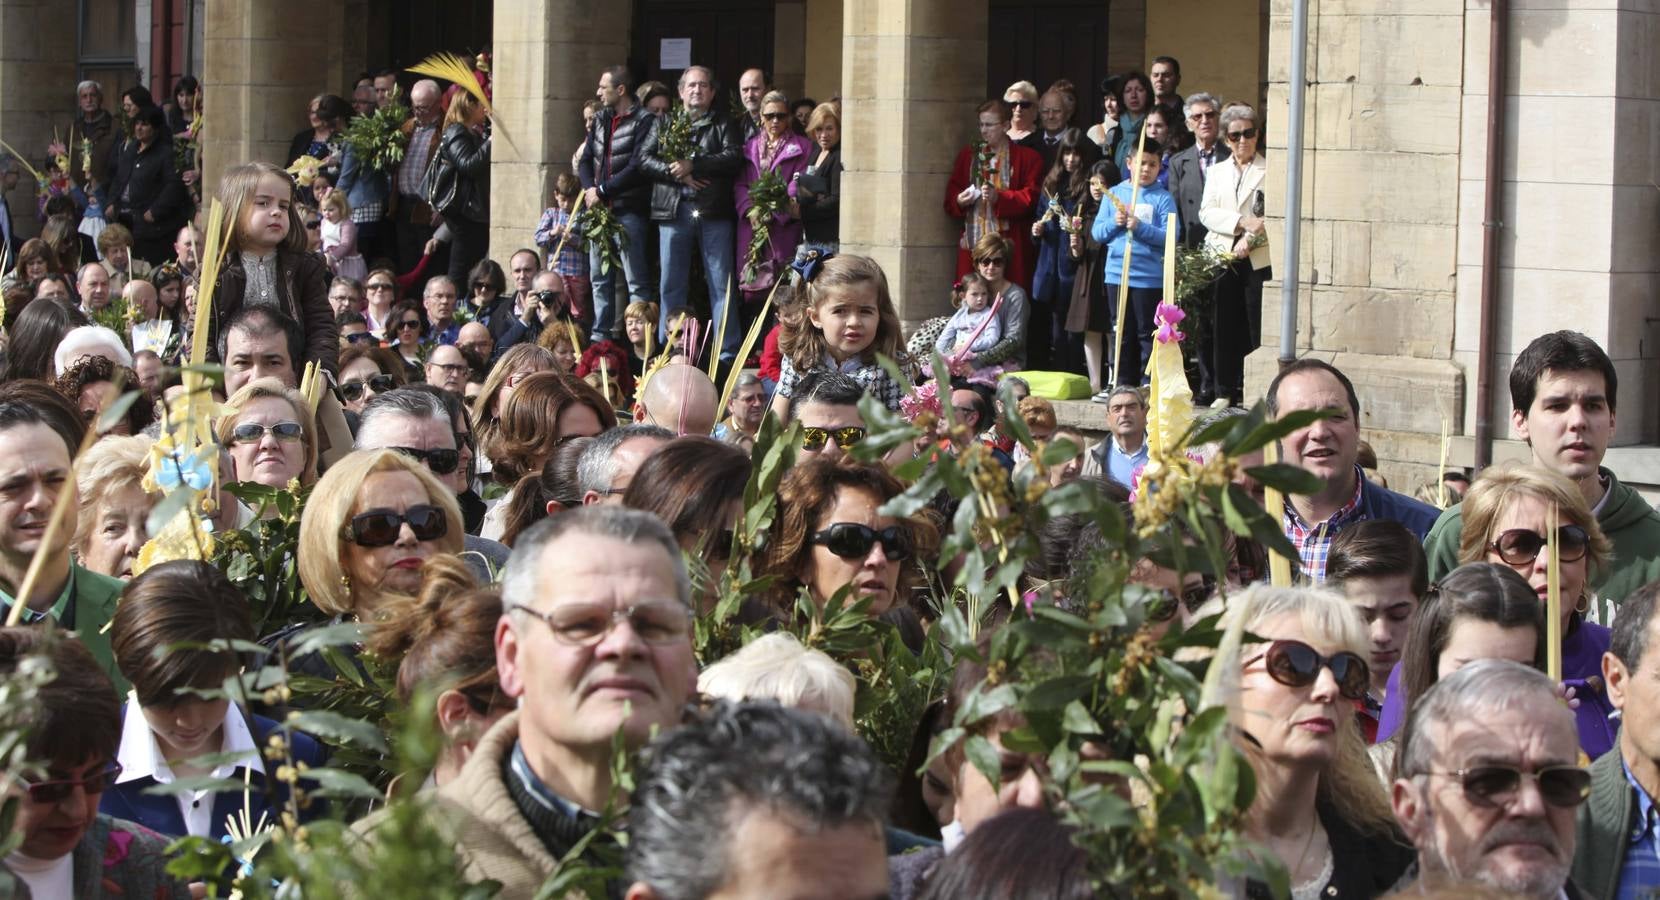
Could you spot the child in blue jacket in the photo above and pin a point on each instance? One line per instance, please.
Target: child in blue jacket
(1114, 226)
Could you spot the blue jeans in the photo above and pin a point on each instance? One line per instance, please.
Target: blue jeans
(714, 239)
(636, 271)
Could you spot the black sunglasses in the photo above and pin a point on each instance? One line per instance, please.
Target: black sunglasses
(775, 117)
(409, 323)
(1245, 133)
(313, 226)
(440, 461)
(49, 792)
(850, 540)
(359, 338)
(380, 528)
(378, 286)
(814, 439)
(1296, 664)
(380, 384)
(1521, 546)
(1020, 104)
(1561, 786)
(253, 432)
(1164, 609)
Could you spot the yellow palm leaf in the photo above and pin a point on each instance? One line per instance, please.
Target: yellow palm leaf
(452, 68)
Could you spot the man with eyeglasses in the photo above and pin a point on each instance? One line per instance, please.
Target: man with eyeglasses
(439, 298)
(693, 204)
(412, 217)
(543, 304)
(827, 406)
(607, 465)
(595, 639)
(346, 295)
(447, 368)
(1188, 170)
(1487, 782)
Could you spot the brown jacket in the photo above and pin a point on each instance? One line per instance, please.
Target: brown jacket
(302, 295)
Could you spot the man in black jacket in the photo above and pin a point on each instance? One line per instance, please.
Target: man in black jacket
(611, 176)
(692, 202)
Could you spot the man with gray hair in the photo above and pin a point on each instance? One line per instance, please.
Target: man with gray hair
(411, 214)
(1187, 185)
(1487, 781)
(95, 124)
(1124, 449)
(754, 796)
(594, 639)
(745, 410)
(607, 465)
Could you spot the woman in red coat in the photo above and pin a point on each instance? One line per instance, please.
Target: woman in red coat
(994, 187)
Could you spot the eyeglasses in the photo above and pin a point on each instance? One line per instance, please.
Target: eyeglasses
(482, 285)
(775, 117)
(1242, 133)
(359, 338)
(313, 226)
(1522, 546)
(1296, 664)
(254, 432)
(1020, 104)
(449, 368)
(1204, 115)
(850, 540)
(586, 624)
(380, 384)
(441, 461)
(814, 439)
(1165, 608)
(48, 792)
(378, 286)
(1561, 786)
(409, 323)
(380, 528)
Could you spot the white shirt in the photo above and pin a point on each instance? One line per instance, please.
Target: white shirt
(48, 879)
(140, 757)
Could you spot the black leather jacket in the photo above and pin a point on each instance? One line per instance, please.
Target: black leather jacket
(458, 179)
(718, 159)
(621, 181)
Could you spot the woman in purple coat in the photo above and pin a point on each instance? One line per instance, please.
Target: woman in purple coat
(776, 148)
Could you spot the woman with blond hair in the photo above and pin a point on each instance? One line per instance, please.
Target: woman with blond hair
(271, 435)
(110, 527)
(457, 183)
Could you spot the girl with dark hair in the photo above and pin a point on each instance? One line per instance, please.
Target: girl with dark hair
(1059, 221)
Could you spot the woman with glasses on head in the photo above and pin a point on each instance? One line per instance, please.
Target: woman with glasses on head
(1319, 807)
(366, 372)
(271, 436)
(993, 189)
(512, 367)
(1505, 514)
(1233, 209)
(541, 412)
(829, 538)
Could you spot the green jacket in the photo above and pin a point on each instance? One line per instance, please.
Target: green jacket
(94, 597)
(1603, 829)
(1630, 523)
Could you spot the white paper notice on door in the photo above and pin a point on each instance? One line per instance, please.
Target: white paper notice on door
(675, 53)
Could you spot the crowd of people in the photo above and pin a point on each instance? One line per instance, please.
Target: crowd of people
(524, 483)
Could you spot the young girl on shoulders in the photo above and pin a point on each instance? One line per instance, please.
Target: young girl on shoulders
(845, 319)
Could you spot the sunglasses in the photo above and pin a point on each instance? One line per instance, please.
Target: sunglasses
(994, 261)
(1244, 133)
(380, 384)
(450, 368)
(1165, 608)
(313, 226)
(586, 624)
(1296, 664)
(814, 439)
(48, 792)
(482, 285)
(378, 286)
(1522, 546)
(380, 528)
(441, 461)
(1492, 786)
(850, 540)
(253, 432)
(775, 117)
(1020, 104)
(409, 323)
(361, 337)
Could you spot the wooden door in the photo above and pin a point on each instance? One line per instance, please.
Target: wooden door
(1042, 40)
(728, 36)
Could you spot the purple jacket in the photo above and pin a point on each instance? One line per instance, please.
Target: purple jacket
(792, 159)
(1582, 650)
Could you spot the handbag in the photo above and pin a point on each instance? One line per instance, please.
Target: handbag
(762, 278)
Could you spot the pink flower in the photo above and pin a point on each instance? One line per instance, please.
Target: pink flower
(1168, 316)
(119, 846)
(921, 399)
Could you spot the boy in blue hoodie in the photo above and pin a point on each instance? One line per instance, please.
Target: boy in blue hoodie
(1117, 224)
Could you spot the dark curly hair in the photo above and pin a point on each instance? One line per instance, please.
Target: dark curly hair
(90, 370)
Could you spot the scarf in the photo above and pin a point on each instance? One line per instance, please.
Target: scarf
(983, 220)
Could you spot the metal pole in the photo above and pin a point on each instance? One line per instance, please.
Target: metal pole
(1294, 181)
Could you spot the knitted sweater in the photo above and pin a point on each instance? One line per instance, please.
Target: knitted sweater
(1603, 829)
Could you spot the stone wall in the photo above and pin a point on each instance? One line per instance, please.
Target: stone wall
(1218, 44)
(37, 91)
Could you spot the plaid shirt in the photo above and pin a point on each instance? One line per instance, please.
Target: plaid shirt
(1640, 876)
(413, 169)
(369, 212)
(1313, 542)
(573, 257)
(871, 376)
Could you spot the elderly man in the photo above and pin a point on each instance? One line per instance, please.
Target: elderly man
(363, 98)
(753, 797)
(419, 425)
(91, 123)
(595, 639)
(92, 282)
(693, 203)
(744, 412)
(187, 250)
(1124, 450)
(1563, 389)
(475, 336)
(1487, 781)
(752, 86)
(1327, 449)
(1187, 185)
(607, 465)
(259, 342)
(412, 215)
(611, 175)
(681, 398)
(447, 368)
(439, 299)
(1054, 112)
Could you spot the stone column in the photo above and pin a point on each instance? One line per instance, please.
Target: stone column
(912, 73)
(37, 90)
(548, 56)
(263, 62)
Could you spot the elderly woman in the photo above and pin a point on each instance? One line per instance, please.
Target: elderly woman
(543, 410)
(366, 372)
(91, 384)
(995, 194)
(695, 485)
(114, 508)
(1022, 100)
(272, 437)
(777, 150)
(1319, 808)
(371, 525)
(818, 192)
(829, 538)
(1504, 522)
(1232, 209)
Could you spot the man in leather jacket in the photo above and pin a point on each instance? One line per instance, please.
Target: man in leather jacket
(611, 175)
(692, 203)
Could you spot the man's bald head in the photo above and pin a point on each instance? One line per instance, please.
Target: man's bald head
(681, 398)
(424, 100)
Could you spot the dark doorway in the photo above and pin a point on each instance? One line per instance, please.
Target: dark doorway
(401, 33)
(728, 36)
(1043, 40)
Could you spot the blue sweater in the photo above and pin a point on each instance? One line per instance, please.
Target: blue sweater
(1147, 262)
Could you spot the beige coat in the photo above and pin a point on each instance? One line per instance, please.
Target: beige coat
(1228, 196)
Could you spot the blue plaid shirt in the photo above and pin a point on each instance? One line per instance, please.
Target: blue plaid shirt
(1313, 542)
(1640, 876)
